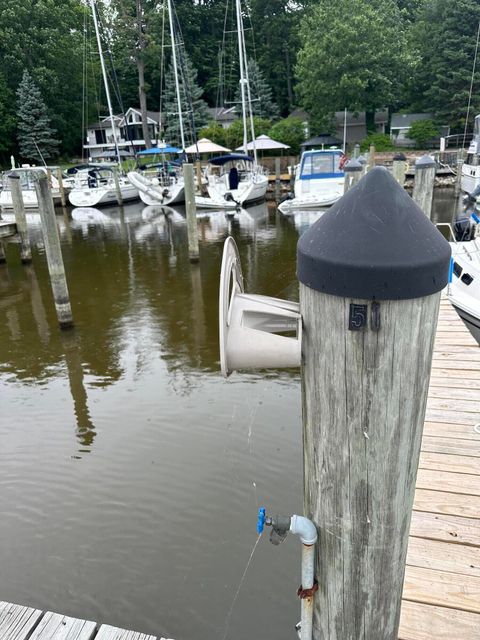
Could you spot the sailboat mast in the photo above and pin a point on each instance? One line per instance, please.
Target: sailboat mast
(175, 72)
(242, 70)
(249, 97)
(105, 80)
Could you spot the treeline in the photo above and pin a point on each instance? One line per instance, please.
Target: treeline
(412, 55)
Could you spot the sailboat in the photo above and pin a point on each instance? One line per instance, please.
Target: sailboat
(236, 180)
(96, 186)
(167, 187)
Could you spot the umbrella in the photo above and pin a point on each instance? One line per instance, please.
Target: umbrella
(159, 150)
(206, 146)
(112, 155)
(264, 143)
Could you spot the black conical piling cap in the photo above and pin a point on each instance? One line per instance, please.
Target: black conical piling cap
(374, 243)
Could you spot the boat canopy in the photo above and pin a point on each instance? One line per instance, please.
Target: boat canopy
(159, 151)
(318, 165)
(231, 157)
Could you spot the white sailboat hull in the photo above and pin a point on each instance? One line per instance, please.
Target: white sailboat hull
(152, 194)
(311, 202)
(248, 191)
(470, 178)
(85, 196)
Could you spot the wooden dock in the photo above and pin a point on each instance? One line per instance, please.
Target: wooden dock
(441, 596)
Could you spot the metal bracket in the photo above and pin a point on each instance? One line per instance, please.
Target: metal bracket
(307, 593)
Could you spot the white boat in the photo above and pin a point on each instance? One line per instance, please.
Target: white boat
(96, 187)
(163, 188)
(233, 181)
(464, 290)
(237, 178)
(470, 181)
(319, 181)
(26, 175)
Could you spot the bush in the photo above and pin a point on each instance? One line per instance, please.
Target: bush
(214, 132)
(289, 131)
(381, 141)
(234, 133)
(422, 131)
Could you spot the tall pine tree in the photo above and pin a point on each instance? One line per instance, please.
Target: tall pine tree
(36, 137)
(261, 93)
(194, 108)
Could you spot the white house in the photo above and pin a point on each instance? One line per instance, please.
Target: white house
(101, 135)
(400, 126)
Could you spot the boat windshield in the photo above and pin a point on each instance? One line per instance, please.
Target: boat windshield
(26, 176)
(321, 165)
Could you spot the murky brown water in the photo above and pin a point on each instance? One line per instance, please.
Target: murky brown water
(130, 470)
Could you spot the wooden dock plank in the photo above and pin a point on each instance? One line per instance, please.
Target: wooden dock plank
(17, 622)
(54, 626)
(453, 446)
(427, 622)
(443, 556)
(463, 483)
(453, 529)
(107, 632)
(442, 588)
(448, 462)
(453, 504)
(461, 431)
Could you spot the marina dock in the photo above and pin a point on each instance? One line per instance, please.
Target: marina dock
(441, 597)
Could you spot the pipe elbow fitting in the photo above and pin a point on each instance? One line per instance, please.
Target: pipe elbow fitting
(305, 528)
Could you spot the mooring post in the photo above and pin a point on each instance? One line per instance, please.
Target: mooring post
(277, 178)
(363, 161)
(399, 168)
(424, 181)
(356, 151)
(458, 179)
(118, 191)
(353, 172)
(198, 173)
(371, 157)
(369, 300)
(53, 250)
(3, 257)
(192, 230)
(61, 188)
(20, 217)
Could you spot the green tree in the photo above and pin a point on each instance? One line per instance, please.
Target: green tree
(7, 118)
(261, 93)
(194, 108)
(422, 131)
(353, 54)
(381, 142)
(36, 137)
(234, 133)
(289, 131)
(214, 132)
(445, 35)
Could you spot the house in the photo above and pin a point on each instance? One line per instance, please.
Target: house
(355, 124)
(400, 126)
(101, 135)
(224, 116)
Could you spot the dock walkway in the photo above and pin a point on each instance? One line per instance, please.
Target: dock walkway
(441, 598)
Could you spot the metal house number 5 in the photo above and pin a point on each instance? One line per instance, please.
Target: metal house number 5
(358, 317)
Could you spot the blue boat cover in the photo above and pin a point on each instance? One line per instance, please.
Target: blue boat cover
(231, 157)
(159, 150)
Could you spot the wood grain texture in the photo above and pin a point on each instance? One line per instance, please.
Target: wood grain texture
(17, 622)
(364, 399)
(452, 529)
(454, 504)
(447, 462)
(442, 588)
(426, 622)
(54, 626)
(106, 632)
(463, 483)
(443, 556)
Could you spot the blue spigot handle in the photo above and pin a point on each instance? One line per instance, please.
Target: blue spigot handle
(260, 520)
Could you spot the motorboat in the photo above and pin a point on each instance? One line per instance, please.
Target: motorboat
(470, 181)
(26, 175)
(233, 181)
(96, 187)
(162, 186)
(319, 181)
(463, 290)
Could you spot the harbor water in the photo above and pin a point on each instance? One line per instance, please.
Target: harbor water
(130, 470)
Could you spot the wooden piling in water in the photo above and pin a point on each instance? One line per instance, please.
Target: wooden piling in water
(277, 178)
(369, 301)
(458, 179)
(20, 217)
(371, 157)
(425, 169)
(63, 198)
(198, 174)
(191, 209)
(3, 257)
(399, 168)
(118, 190)
(353, 171)
(53, 251)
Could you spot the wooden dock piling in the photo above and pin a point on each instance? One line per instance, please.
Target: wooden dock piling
(118, 190)
(353, 171)
(192, 230)
(425, 170)
(20, 217)
(63, 198)
(369, 329)
(53, 250)
(399, 168)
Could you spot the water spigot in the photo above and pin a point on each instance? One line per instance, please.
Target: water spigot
(261, 520)
(280, 528)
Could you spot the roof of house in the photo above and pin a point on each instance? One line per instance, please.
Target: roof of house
(104, 123)
(359, 117)
(405, 120)
(222, 114)
(324, 139)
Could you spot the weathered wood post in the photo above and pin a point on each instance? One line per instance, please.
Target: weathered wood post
(424, 181)
(3, 257)
(353, 172)
(118, 191)
(20, 217)
(63, 198)
(277, 178)
(363, 161)
(458, 179)
(356, 151)
(192, 230)
(371, 157)
(369, 299)
(399, 168)
(198, 173)
(53, 250)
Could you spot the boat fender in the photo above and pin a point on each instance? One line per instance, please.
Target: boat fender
(165, 193)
